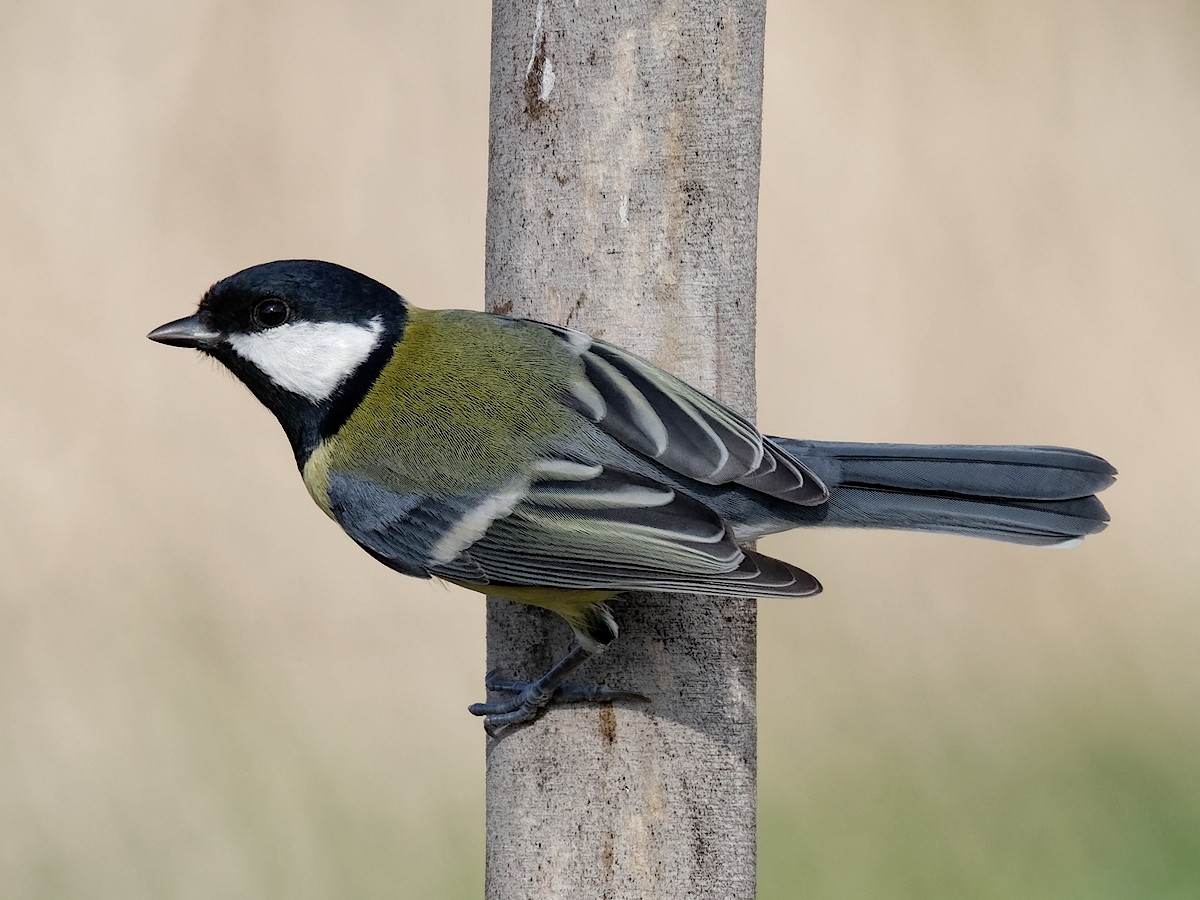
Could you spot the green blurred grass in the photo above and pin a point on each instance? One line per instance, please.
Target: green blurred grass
(988, 737)
(1062, 816)
(1100, 802)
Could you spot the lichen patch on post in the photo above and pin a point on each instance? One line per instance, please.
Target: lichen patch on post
(539, 74)
(608, 724)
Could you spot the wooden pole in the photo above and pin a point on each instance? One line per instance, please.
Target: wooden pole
(623, 201)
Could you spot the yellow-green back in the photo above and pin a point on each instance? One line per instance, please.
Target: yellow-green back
(466, 402)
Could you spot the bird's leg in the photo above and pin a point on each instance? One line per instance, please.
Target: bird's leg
(531, 696)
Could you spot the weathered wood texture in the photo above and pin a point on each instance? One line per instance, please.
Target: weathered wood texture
(622, 200)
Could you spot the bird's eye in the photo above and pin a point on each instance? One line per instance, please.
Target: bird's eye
(270, 313)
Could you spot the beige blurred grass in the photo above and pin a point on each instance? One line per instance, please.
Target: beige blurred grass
(979, 223)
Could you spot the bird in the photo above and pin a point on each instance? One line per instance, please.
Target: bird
(539, 464)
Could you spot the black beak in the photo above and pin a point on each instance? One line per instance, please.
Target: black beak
(189, 332)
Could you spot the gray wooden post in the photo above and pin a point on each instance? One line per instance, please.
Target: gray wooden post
(622, 200)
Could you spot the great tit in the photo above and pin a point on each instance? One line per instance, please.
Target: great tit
(539, 464)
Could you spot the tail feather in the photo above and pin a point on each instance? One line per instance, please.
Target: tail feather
(1042, 496)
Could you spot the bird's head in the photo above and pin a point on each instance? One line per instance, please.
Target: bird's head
(307, 337)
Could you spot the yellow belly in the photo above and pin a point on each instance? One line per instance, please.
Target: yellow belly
(574, 606)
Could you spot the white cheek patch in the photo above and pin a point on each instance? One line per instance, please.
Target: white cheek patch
(312, 359)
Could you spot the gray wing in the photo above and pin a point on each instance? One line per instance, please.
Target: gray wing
(667, 420)
(571, 526)
(401, 530)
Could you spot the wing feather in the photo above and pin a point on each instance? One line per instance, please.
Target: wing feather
(653, 412)
(614, 530)
(628, 415)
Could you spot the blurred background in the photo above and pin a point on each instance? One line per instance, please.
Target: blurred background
(980, 222)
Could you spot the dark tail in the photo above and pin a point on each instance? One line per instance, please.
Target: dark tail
(1044, 496)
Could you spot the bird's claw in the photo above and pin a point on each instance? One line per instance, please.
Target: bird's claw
(531, 697)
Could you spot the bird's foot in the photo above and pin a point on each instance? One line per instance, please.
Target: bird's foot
(530, 697)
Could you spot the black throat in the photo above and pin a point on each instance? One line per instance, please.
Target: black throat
(306, 422)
